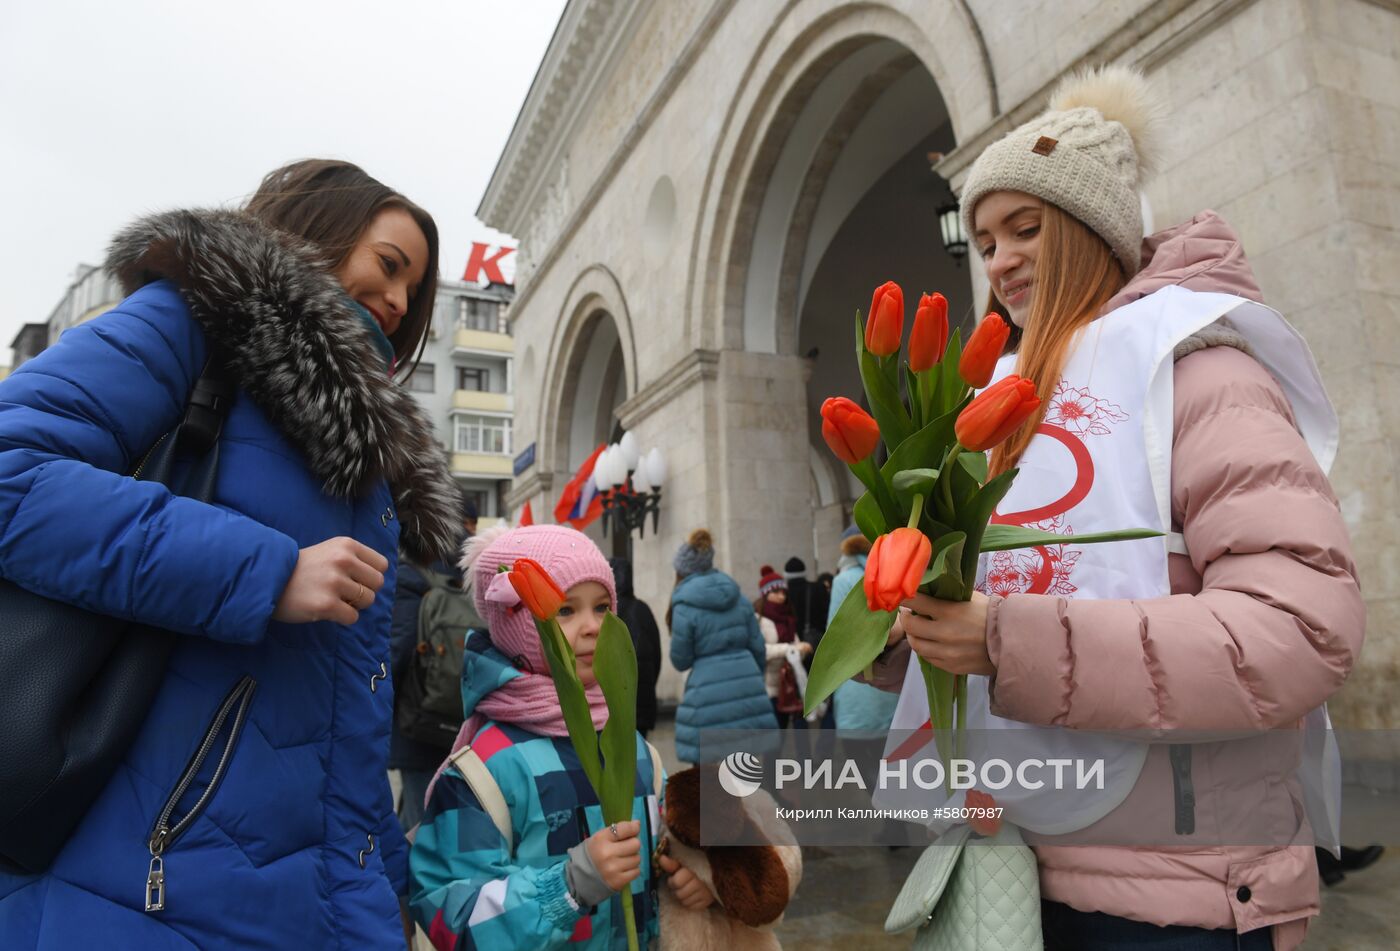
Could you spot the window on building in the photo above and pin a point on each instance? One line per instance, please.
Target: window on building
(474, 314)
(488, 434)
(422, 379)
(474, 378)
(478, 498)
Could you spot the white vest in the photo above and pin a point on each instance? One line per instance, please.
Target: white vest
(1102, 461)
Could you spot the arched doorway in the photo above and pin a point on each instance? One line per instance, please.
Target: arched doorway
(594, 386)
(841, 198)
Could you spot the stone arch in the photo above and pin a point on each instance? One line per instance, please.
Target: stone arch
(802, 48)
(594, 329)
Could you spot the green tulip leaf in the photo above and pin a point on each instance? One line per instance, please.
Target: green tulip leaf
(951, 388)
(928, 446)
(915, 481)
(1006, 537)
(578, 718)
(976, 465)
(615, 666)
(882, 392)
(853, 639)
(974, 516)
(912, 398)
(945, 575)
(868, 517)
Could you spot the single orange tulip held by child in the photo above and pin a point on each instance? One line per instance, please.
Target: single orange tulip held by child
(536, 588)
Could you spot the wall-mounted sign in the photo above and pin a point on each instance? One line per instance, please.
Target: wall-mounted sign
(482, 265)
(525, 460)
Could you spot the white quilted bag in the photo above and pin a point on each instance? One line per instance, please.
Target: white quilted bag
(979, 897)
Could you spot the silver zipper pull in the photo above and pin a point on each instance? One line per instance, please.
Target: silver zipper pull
(155, 885)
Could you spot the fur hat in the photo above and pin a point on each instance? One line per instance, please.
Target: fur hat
(695, 555)
(769, 580)
(567, 554)
(1087, 154)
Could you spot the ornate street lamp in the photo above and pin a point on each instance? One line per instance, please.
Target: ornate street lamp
(630, 485)
(951, 226)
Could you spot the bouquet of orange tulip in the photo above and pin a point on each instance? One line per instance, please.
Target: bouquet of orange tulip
(609, 759)
(928, 506)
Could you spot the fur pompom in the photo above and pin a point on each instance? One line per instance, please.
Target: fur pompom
(1120, 94)
(474, 546)
(701, 540)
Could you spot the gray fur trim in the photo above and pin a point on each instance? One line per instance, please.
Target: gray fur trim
(1218, 334)
(304, 358)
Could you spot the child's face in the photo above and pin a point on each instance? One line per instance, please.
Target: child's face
(585, 605)
(777, 597)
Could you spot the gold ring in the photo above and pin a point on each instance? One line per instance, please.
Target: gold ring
(355, 601)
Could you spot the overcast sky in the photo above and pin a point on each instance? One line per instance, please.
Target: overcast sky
(111, 110)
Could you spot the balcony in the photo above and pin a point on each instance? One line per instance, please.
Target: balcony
(477, 400)
(479, 340)
(481, 464)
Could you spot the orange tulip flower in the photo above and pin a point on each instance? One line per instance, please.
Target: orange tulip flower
(536, 589)
(884, 325)
(894, 568)
(850, 432)
(930, 334)
(979, 357)
(996, 413)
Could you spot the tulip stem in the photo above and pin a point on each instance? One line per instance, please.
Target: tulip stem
(948, 471)
(917, 511)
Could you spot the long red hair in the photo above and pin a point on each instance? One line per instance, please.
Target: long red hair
(1075, 275)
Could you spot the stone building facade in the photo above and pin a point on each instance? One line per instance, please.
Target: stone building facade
(705, 192)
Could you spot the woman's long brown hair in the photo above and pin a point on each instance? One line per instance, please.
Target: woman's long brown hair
(1075, 275)
(330, 203)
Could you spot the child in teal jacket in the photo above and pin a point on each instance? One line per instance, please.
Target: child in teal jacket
(512, 851)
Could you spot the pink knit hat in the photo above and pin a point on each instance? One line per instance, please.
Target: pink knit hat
(567, 554)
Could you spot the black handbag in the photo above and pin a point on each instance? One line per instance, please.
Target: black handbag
(75, 686)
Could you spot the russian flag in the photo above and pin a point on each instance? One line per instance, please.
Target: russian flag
(579, 503)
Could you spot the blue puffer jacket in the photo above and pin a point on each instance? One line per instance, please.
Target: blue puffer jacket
(298, 845)
(713, 630)
(858, 706)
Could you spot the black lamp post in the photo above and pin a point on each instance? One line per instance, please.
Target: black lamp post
(630, 484)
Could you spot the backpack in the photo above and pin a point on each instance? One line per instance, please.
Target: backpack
(429, 704)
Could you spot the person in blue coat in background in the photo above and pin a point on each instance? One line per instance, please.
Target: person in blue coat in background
(715, 636)
(280, 590)
(859, 706)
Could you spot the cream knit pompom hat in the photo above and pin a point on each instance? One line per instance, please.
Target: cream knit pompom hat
(1087, 154)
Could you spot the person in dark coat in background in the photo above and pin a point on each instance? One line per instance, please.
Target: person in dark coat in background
(800, 594)
(646, 639)
(415, 760)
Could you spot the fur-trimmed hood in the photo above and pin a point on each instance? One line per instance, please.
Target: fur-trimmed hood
(303, 356)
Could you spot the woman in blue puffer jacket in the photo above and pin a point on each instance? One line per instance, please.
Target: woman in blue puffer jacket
(714, 631)
(280, 591)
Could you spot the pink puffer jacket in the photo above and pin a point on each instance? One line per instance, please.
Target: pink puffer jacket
(1263, 625)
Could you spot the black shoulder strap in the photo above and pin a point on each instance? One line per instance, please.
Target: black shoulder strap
(197, 434)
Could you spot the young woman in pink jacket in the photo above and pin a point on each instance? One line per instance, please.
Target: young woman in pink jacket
(1172, 398)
